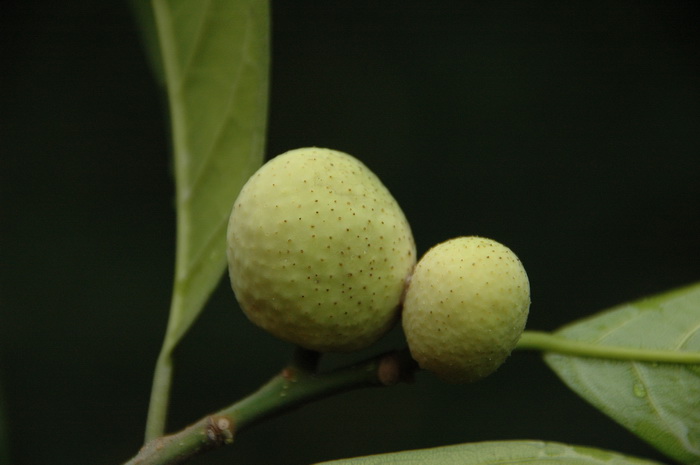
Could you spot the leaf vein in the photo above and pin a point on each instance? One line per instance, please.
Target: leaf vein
(686, 336)
(229, 117)
(198, 41)
(198, 258)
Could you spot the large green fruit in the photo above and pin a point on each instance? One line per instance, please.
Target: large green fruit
(465, 308)
(319, 251)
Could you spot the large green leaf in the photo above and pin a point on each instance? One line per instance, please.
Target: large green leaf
(498, 452)
(214, 57)
(215, 54)
(658, 402)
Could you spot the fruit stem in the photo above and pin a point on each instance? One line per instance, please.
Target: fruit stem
(546, 342)
(305, 359)
(289, 389)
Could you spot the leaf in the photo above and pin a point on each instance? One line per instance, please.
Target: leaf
(497, 452)
(658, 402)
(216, 60)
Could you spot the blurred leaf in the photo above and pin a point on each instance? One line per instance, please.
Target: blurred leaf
(216, 62)
(149, 33)
(658, 402)
(491, 453)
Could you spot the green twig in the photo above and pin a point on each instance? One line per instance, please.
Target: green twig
(299, 384)
(537, 340)
(289, 389)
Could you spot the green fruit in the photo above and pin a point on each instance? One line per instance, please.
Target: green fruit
(319, 251)
(465, 308)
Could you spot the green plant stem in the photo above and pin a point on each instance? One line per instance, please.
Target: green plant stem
(299, 384)
(289, 389)
(160, 395)
(305, 359)
(546, 342)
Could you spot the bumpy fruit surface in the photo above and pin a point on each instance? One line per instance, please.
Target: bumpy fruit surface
(319, 251)
(465, 308)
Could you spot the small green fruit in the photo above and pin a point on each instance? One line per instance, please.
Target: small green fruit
(465, 308)
(319, 251)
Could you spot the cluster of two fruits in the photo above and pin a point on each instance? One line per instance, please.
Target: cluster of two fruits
(321, 255)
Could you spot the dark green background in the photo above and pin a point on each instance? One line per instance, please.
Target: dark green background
(569, 131)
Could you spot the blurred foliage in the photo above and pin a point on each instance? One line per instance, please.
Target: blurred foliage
(568, 131)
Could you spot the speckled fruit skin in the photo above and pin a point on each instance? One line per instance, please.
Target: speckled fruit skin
(319, 251)
(465, 308)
